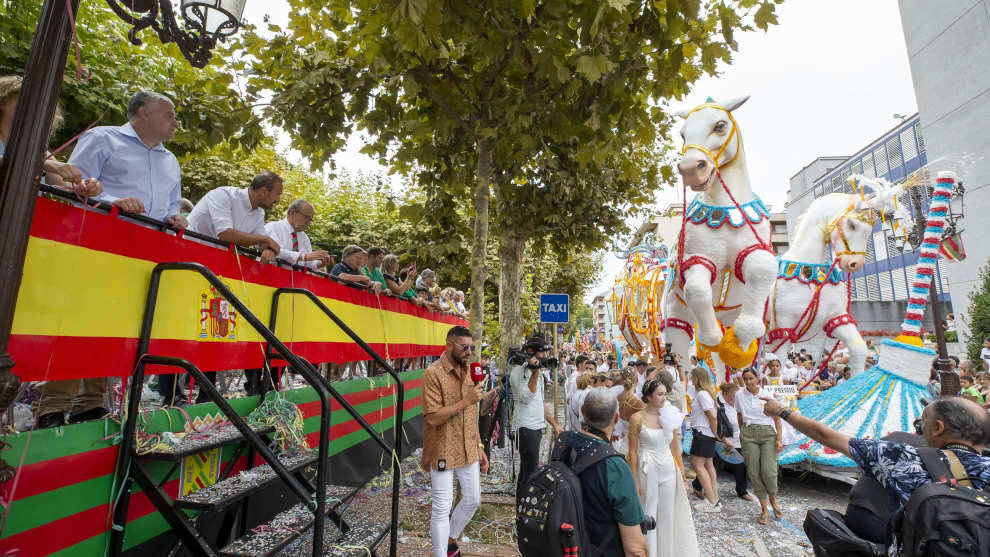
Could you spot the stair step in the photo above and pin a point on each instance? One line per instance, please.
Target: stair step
(359, 541)
(235, 488)
(197, 442)
(272, 537)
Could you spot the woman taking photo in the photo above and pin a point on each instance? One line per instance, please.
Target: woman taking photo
(761, 442)
(704, 429)
(652, 447)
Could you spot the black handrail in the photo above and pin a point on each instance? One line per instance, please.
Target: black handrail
(400, 403)
(129, 426)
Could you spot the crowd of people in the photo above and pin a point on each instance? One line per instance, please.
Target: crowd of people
(130, 168)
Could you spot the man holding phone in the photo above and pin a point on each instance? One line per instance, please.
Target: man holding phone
(451, 442)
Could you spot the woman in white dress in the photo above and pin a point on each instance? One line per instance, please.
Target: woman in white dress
(658, 479)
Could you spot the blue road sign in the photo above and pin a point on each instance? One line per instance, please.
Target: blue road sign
(554, 308)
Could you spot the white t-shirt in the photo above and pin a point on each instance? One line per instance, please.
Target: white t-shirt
(603, 368)
(226, 208)
(985, 355)
(700, 402)
(574, 406)
(571, 384)
(730, 412)
(790, 374)
(751, 407)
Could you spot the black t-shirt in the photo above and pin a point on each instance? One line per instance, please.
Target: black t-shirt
(343, 268)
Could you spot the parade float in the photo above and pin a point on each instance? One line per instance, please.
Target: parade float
(636, 298)
(889, 397)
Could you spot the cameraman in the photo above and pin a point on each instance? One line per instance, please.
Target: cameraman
(529, 415)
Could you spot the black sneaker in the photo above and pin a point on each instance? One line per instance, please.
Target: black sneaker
(49, 420)
(453, 550)
(88, 415)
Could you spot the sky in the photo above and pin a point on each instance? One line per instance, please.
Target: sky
(824, 82)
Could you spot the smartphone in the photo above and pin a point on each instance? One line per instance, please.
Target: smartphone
(412, 268)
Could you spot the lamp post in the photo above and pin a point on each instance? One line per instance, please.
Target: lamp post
(20, 170)
(207, 22)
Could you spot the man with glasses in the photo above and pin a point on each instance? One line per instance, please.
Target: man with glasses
(290, 233)
(451, 442)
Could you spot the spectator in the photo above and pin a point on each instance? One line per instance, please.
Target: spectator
(612, 512)
(427, 279)
(639, 366)
(705, 432)
(459, 302)
(728, 396)
(56, 173)
(373, 269)
(451, 442)
(629, 404)
(139, 175)
(952, 424)
(185, 207)
(969, 390)
(581, 387)
(234, 216)
(983, 380)
(985, 354)
(351, 261)
(424, 297)
(401, 287)
(529, 416)
(447, 299)
(237, 215)
(290, 234)
(762, 441)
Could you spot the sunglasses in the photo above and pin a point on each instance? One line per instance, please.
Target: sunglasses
(465, 347)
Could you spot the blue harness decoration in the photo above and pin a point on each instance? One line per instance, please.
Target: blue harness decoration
(808, 273)
(715, 216)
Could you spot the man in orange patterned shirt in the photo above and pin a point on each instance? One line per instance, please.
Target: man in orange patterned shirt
(451, 442)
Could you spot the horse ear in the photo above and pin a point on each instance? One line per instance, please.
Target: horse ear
(735, 103)
(682, 113)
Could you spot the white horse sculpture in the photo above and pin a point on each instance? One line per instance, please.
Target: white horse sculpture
(811, 295)
(724, 243)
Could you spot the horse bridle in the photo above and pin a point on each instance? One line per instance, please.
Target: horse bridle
(865, 216)
(728, 139)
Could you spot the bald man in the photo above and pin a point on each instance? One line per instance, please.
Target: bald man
(290, 233)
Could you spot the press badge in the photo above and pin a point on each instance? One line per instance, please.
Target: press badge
(441, 465)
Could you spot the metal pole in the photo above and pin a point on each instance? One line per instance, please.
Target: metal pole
(20, 172)
(947, 377)
(556, 354)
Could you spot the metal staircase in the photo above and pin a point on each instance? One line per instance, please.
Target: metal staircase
(231, 495)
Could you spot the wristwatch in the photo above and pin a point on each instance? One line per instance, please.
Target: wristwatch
(784, 414)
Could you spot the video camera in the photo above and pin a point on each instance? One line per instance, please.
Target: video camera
(668, 356)
(521, 355)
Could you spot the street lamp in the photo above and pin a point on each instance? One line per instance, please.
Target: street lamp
(207, 21)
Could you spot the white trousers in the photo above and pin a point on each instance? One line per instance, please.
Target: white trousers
(443, 525)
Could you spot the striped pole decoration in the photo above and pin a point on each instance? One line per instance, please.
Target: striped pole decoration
(938, 211)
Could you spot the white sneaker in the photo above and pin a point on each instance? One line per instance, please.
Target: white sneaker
(706, 507)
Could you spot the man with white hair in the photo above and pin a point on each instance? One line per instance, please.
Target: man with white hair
(139, 175)
(290, 233)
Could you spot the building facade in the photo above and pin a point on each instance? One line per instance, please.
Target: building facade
(949, 52)
(880, 289)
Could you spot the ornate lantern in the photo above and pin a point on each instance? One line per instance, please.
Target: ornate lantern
(206, 22)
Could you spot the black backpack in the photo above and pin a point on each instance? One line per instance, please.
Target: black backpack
(549, 514)
(830, 536)
(945, 517)
(722, 421)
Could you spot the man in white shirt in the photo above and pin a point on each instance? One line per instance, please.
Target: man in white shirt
(237, 216)
(290, 233)
(529, 415)
(985, 354)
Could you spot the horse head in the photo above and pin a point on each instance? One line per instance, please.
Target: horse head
(849, 233)
(711, 141)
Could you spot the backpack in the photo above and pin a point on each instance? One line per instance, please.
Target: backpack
(831, 537)
(945, 517)
(550, 515)
(722, 421)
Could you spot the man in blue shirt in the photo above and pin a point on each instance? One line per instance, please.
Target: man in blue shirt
(139, 175)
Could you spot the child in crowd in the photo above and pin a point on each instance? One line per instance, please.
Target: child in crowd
(969, 390)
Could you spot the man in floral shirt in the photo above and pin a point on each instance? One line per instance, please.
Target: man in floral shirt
(950, 423)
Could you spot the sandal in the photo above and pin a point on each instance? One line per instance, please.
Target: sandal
(764, 518)
(778, 513)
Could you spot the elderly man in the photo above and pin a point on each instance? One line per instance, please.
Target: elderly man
(612, 512)
(290, 234)
(451, 442)
(952, 424)
(139, 175)
(349, 268)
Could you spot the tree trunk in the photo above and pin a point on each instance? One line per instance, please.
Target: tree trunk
(510, 251)
(479, 262)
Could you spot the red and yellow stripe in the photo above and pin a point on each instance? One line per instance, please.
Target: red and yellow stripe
(86, 275)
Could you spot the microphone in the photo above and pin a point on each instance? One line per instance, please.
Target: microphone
(477, 372)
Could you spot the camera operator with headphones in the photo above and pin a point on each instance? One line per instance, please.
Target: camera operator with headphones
(529, 415)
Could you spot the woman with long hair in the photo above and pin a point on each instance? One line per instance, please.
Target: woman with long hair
(704, 429)
(629, 404)
(652, 446)
(761, 439)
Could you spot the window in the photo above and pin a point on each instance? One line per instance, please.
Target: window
(886, 288)
(879, 245)
(921, 140)
(874, 287)
(857, 168)
(836, 183)
(870, 256)
(844, 185)
(943, 276)
(859, 289)
(900, 284)
(907, 143)
(880, 158)
(868, 169)
(894, 153)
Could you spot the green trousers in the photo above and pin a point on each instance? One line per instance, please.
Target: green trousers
(759, 449)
